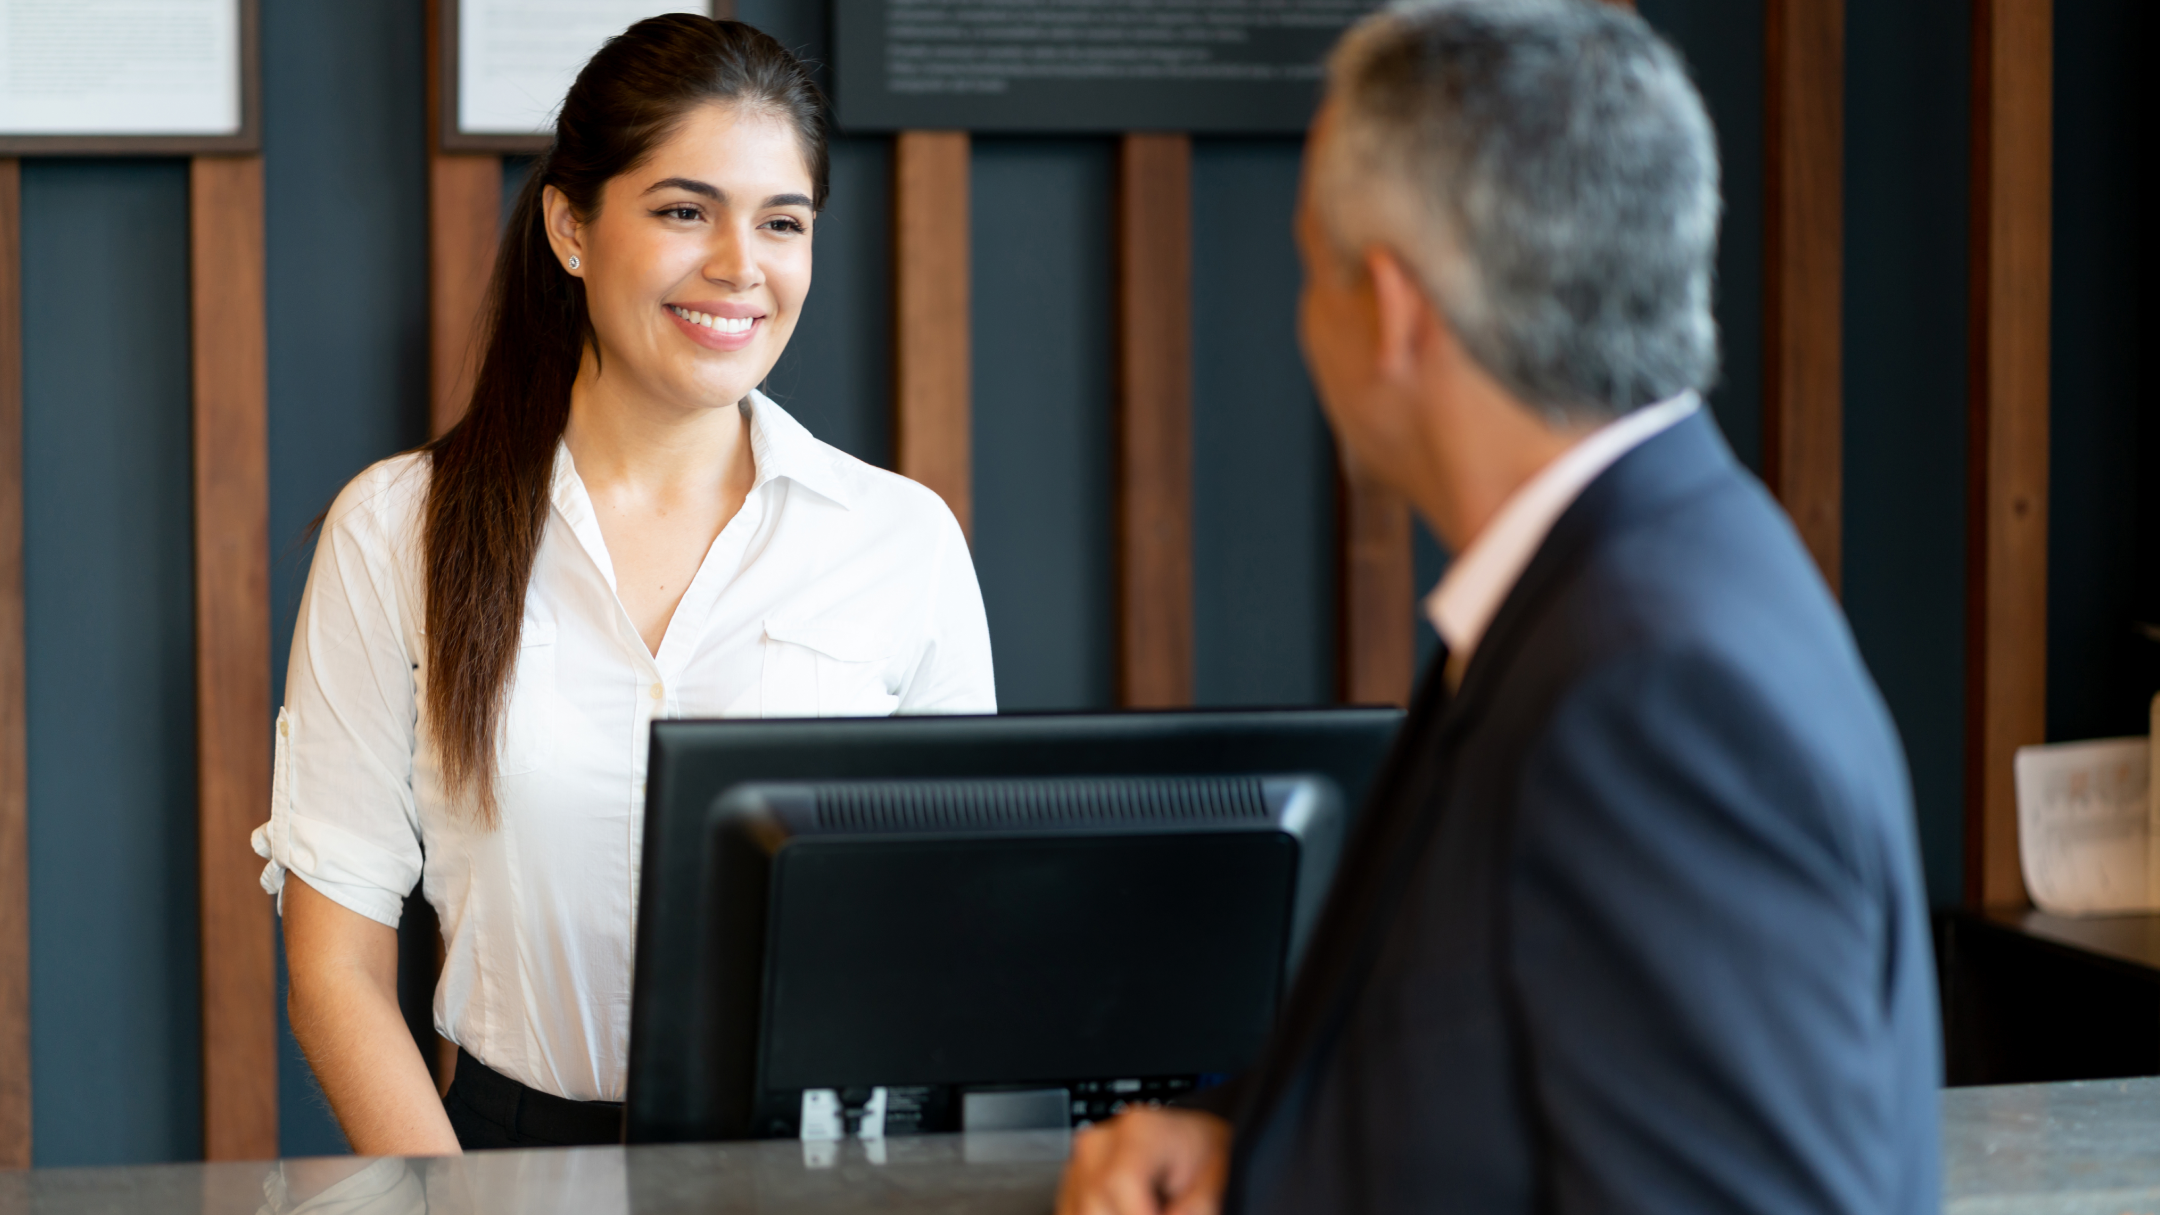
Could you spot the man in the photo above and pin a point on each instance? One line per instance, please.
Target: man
(1633, 919)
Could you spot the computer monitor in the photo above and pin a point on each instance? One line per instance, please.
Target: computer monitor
(830, 902)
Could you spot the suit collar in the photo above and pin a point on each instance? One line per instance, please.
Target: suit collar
(1667, 469)
(1481, 575)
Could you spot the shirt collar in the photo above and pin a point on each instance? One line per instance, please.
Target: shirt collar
(783, 447)
(780, 446)
(1482, 574)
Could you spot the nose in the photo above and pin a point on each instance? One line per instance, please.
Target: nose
(732, 262)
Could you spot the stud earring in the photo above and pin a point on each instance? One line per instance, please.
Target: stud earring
(573, 261)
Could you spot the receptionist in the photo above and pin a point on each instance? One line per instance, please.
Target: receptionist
(621, 528)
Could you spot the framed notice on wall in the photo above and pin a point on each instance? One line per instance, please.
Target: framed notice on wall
(158, 77)
(1202, 66)
(507, 63)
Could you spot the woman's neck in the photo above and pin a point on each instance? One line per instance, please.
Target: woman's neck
(626, 439)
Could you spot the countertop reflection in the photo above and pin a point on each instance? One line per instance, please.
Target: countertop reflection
(982, 1174)
(2090, 1148)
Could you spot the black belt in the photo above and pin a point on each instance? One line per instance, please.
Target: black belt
(529, 1116)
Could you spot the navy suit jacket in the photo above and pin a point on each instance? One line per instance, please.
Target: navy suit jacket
(1633, 921)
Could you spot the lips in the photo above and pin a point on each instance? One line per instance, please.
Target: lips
(714, 328)
(718, 324)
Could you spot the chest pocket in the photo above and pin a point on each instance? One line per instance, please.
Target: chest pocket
(826, 670)
(527, 717)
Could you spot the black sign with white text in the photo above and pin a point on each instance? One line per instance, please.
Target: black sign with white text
(1204, 66)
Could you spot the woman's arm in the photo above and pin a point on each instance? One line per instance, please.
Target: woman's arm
(344, 1007)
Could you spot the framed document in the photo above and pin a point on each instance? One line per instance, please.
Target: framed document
(1247, 67)
(104, 77)
(507, 63)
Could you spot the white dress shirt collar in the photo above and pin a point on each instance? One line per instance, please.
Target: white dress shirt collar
(1481, 576)
(779, 447)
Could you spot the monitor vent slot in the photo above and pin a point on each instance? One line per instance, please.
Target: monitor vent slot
(1049, 804)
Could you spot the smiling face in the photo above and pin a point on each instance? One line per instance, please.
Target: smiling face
(698, 260)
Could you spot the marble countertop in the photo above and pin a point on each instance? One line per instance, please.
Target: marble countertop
(2089, 1148)
(2086, 1148)
(998, 1174)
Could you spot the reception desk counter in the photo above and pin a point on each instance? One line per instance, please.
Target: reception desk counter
(2090, 1148)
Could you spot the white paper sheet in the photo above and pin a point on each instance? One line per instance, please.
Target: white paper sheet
(2085, 826)
(119, 67)
(516, 58)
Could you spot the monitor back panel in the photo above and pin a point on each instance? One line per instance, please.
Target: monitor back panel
(694, 762)
(1019, 960)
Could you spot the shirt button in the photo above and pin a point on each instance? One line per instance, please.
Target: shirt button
(659, 692)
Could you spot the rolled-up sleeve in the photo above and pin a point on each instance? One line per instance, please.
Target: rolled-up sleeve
(342, 812)
(952, 672)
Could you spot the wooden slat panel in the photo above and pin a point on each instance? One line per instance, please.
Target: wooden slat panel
(1154, 448)
(232, 655)
(14, 755)
(464, 224)
(1377, 625)
(931, 378)
(2007, 475)
(1803, 270)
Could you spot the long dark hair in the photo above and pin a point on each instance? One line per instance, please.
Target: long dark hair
(487, 504)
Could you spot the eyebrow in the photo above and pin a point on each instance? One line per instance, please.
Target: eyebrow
(703, 190)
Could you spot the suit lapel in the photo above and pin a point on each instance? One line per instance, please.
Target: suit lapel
(1400, 816)
(1377, 861)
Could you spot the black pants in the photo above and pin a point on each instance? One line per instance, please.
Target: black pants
(490, 1110)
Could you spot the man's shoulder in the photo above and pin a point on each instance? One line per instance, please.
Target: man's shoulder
(1706, 603)
(1718, 569)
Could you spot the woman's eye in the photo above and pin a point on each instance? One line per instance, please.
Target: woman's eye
(682, 213)
(785, 223)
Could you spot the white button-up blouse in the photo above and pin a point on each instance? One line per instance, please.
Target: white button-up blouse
(839, 589)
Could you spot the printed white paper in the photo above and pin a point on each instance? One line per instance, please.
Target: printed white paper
(516, 58)
(119, 67)
(2085, 826)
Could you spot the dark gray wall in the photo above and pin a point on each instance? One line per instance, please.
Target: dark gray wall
(345, 196)
(1264, 467)
(108, 555)
(116, 1028)
(2104, 454)
(1042, 411)
(1905, 190)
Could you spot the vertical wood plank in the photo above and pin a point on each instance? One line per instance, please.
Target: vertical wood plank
(464, 224)
(1154, 421)
(931, 376)
(1376, 622)
(232, 654)
(1803, 270)
(14, 751)
(2007, 472)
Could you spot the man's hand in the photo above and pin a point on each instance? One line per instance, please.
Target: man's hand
(1148, 1161)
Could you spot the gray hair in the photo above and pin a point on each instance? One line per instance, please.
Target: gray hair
(1546, 170)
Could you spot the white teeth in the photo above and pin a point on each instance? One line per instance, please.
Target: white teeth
(719, 324)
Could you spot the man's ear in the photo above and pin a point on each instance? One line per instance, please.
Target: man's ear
(1402, 315)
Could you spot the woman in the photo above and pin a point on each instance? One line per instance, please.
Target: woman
(621, 528)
